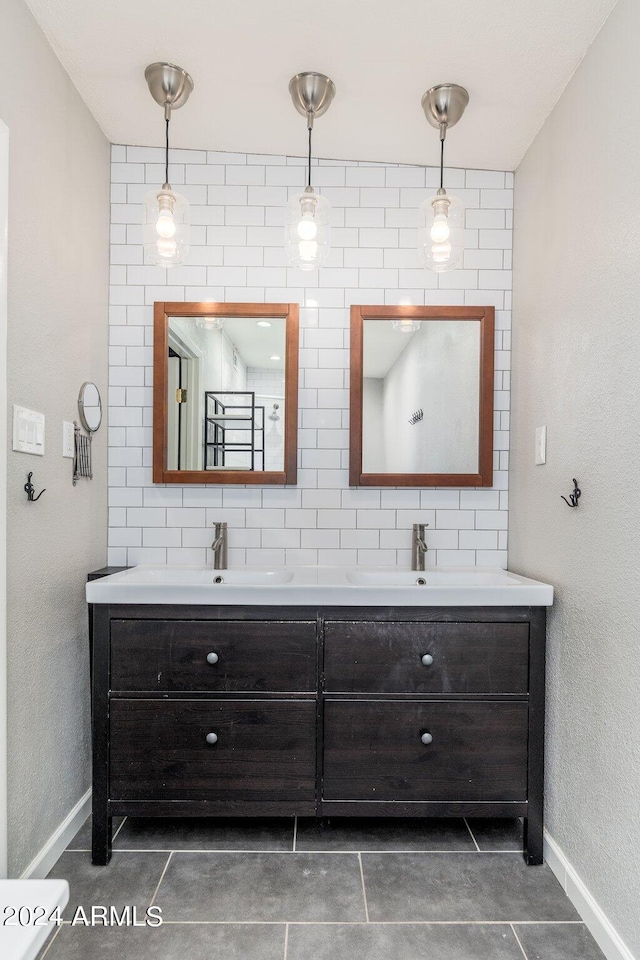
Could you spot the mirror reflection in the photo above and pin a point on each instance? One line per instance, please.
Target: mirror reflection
(90, 407)
(421, 396)
(225, 393)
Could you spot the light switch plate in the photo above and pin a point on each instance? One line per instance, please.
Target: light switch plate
(28, 431)
(541, 445)
(67, 439)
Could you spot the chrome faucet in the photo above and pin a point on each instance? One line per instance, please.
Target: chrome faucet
(219, 546)
(418, 546)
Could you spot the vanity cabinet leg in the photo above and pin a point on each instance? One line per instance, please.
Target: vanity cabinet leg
(100, 669)
(101, 834)
(533, 840)
(534, 821)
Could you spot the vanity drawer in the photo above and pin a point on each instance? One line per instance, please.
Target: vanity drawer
(374, 751)
(370, 657)
(252, 656)
(265, 751)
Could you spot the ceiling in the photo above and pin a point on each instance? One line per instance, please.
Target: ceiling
(382, 345)
(256, 344)
(514, 56)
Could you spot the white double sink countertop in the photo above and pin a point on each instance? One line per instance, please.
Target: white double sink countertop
(321, 586)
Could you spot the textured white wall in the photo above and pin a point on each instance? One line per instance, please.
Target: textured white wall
(575, 368)
(57, 333)
(238, 205)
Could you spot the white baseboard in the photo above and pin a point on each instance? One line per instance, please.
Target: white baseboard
(599, 925)
(59, 840)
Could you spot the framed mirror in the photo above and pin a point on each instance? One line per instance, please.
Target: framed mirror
(225, 393)
(421, 396)
(90, 407)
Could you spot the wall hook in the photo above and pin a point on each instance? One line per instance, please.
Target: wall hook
(575, 496)
(29, 489)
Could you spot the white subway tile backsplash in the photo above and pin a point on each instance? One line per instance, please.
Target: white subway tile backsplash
(353, 539)
(185, 517)
(496, 198)
(455, 519)
(161, 537)
(320, 539)
(269, 517)
(313, 499)
(237, 214)
(146, 517)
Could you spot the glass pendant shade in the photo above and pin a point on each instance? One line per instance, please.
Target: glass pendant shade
(165, 227)
(406, 326)
(441, 232)
(307, 230)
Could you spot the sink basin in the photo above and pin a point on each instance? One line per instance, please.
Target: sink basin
(201, 576)
(387, 578)
(391, 577)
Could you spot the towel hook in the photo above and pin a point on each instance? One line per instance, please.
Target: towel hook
(575, 496)
(29, 489)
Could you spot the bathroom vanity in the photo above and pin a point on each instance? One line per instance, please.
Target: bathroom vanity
(317, 693)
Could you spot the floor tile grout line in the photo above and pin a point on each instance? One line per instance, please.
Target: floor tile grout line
(289, 852)
(286, 940)
(155, 892)
(472, 834)
(295, 833)
(364, 889)
(375, 923)
(518, 940)
(50, 942)
(119, 829)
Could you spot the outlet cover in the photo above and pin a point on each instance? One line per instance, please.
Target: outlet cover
(67, 439)
(541, 445)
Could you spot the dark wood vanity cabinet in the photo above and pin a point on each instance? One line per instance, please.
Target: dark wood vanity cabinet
(228, 711)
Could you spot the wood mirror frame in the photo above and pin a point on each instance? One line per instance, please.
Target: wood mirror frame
(162, 313)
(484, 477)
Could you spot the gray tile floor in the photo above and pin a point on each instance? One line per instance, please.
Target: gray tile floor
(342, 889)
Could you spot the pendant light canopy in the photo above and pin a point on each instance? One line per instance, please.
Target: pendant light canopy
(165, 228)
(307, 226)
(441, 224)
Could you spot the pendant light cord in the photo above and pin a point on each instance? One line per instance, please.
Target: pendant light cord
(166, 152)
(309, 167)
(442, 163)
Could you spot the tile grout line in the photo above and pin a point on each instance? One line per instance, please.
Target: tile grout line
(155, 892)
(289, 852)
(295, 833)
(472, 834)
(518, 941)
(364, 891)
(119, 829)
(50, 942)
(373, 923)
(286, 940)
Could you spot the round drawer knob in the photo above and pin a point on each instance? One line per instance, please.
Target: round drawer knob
(212, 738)
(427, 660)
(426, 738)
(212, 658)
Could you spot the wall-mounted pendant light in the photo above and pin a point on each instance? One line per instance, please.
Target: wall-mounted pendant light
(307, 227)
(165, 228)
(441, 226)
